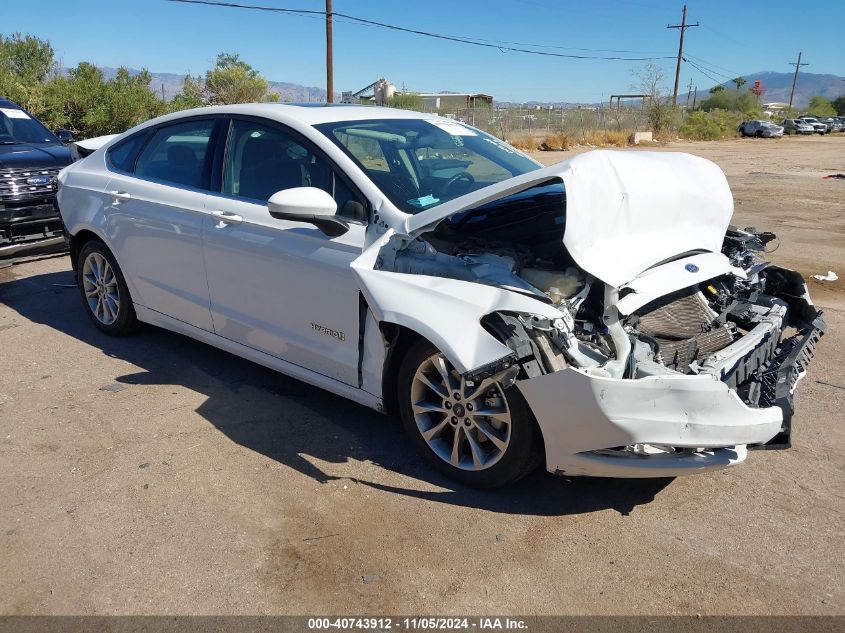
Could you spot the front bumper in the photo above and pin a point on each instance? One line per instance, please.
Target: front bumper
(28, 224)
(587, 420)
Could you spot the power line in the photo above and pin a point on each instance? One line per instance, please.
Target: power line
(709, 67)
(703, 72)
(712, 65)
(706, 71)
(441, 36)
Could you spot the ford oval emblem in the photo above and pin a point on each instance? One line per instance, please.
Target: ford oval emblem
(691, 268)
(38, 180)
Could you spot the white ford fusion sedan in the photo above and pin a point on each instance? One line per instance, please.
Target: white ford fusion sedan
(599, 316)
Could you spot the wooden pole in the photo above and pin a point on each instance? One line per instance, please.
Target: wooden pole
(683, 26)
(329, 55)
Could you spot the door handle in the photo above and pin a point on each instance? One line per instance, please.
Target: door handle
(224, 218)
(119, 196)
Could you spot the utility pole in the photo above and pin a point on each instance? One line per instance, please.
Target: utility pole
(689, 93)
(797, 65)
(683, 26)
(329, 54)
(694, 97)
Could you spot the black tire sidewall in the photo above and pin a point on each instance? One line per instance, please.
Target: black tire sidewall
(522, 455)
(126, 321)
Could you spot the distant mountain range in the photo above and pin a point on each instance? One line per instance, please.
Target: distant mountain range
(169, 85)
(776, 86)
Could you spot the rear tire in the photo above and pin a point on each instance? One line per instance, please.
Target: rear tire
(445, 419)
(104, 291)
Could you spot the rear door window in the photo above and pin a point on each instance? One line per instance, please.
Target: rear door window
(177, 154)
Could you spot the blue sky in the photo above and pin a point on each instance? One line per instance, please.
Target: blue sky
(735, 37)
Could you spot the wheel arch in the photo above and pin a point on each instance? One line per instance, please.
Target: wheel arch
(77, 241)
(398, 339)
(85, 234)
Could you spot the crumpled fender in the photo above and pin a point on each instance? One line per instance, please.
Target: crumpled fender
(447, 312)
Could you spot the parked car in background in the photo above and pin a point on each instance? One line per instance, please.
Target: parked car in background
(841, 120)
(818, 126)
(797, 126)
(763, 129)
(30, 158)
(833, 125)
(598, 316)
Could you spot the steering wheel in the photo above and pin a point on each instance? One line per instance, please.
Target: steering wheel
(464, 175)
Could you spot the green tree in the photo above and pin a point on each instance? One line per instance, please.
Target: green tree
(26, 56)
(25, 64)
(739, 82)
(127, 101)
(190, 97)
(820, 106)
(721, 99)
(88, 105)
(232, 80)
(68, 99)
(839, 105)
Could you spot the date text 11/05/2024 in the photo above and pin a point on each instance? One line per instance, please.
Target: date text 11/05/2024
(417, 624)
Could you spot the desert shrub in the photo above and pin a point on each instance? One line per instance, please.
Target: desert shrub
(556, 142)
(525, 144)
(709, 126)
(729, 121)
(608, 138)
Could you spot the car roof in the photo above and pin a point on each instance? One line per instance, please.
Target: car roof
(309, 114)
(5, 103)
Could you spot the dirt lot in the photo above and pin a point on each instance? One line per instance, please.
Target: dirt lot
(157, 475)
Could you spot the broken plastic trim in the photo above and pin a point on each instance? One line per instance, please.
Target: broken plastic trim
(506, 366)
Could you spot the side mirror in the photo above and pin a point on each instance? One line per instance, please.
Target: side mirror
(310, 205)
(65, 136)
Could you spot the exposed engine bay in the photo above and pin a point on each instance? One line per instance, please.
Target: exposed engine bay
(699, 329)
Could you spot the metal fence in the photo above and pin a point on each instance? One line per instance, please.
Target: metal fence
(531, 122)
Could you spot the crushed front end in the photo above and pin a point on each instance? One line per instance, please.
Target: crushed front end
(648, 337)
(681, 370)
(639, 385)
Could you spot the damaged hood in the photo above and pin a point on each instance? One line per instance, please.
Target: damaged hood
(625, 210)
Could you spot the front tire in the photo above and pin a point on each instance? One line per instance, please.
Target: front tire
(481, 435)
(104, 291)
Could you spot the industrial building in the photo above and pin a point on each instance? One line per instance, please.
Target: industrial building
(455, 100)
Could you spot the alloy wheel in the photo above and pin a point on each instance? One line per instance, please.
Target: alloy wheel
(465, 424)
(99, 284)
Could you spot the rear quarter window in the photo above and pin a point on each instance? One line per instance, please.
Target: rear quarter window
(122, 156)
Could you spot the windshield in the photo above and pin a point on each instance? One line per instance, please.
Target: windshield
(16, 126)
(421, 163)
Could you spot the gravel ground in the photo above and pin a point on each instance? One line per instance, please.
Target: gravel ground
(156, 475)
